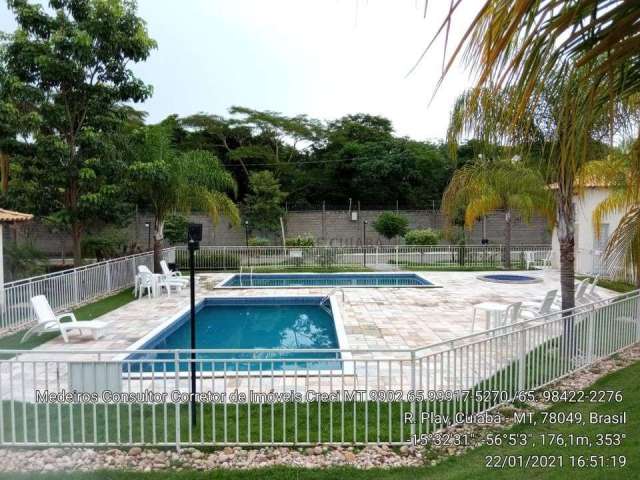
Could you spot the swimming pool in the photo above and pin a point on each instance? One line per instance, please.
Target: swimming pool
(251, 325)
(289, 280)
(509, 278)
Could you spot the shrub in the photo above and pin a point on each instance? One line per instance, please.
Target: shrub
(108, 243)
(424, 236)
(24, 260)
(208, 260)
(175, 228)
(259, 242)
(390, 225)
(327, 257)
(300, 241)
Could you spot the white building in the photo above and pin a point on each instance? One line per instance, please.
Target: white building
(588, 247)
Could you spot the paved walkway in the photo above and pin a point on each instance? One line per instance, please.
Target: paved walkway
(374, 319)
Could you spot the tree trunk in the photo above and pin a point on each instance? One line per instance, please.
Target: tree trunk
(506, 253)
(566, 239)
(4, 169)
(76, 240)
(158, 236)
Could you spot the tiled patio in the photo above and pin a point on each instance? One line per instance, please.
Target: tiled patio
(374, 318)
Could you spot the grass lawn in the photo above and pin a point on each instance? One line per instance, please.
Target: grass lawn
(86, 312)
(472, 464)
(614, 285)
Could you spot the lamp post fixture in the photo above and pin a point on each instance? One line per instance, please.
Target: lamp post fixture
(148, 225)
(364, 243)
(246, 232)
(194, 236)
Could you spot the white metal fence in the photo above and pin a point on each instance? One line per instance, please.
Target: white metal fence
(298, 397)
(376, 257)
(67, 288)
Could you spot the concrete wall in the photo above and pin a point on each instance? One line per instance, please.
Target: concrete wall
(329, 228)
(588, 248)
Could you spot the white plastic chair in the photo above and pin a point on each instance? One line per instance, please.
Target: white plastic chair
(545, 307)
(48, 321)
(144, 281)
(530, 260)
(175, 276)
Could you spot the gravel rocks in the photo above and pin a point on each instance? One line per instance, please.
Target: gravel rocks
(136, 458)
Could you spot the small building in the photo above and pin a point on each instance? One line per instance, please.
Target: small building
(589, 246)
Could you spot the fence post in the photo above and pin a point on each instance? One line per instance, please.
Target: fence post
(397, 258)
(413, 393)
(591, 334)
(176, 362)
(75, 287)
(522, 359)
(107, 266)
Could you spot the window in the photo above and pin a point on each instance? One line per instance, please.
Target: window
(600, 242)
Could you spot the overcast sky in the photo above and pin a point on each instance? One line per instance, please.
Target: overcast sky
(325, 58)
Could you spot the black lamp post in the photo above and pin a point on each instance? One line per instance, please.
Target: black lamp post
(148, 225)
(246, 232)
(194, 236)
(364, 243)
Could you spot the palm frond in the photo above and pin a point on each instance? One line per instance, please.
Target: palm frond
(622, 255)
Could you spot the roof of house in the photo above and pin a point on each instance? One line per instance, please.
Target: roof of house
(9, 216)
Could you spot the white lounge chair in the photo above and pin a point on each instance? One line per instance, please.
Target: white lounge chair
(530, 310)
(48, 321)
(581, 292)
(167, 272)
(591, 291)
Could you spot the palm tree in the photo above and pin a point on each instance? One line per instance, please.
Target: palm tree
(620, 173)
(575, 59)
(165, 181)
(488, 185)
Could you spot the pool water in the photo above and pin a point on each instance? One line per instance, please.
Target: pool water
(271, 323)
(248, 280)
(509, 278)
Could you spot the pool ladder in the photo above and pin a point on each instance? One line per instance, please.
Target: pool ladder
(250, 276)
(328, 297)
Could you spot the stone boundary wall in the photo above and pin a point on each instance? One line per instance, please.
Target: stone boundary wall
(332, 227)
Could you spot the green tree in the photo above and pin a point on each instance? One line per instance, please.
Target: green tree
(574, 62)
(167, 181)
(620, 172)
(489, 185)
(78, 57)
(263, 203)
(391, 225)
(175, 228)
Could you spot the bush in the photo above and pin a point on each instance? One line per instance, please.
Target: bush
(424, 236)
(208, 260)
(300, 241)
(327, 257)
(107, 243)
(175, 229)
(259, 242)
(390, 225)
(24, 260)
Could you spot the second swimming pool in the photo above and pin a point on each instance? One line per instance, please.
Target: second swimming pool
(257, 280)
